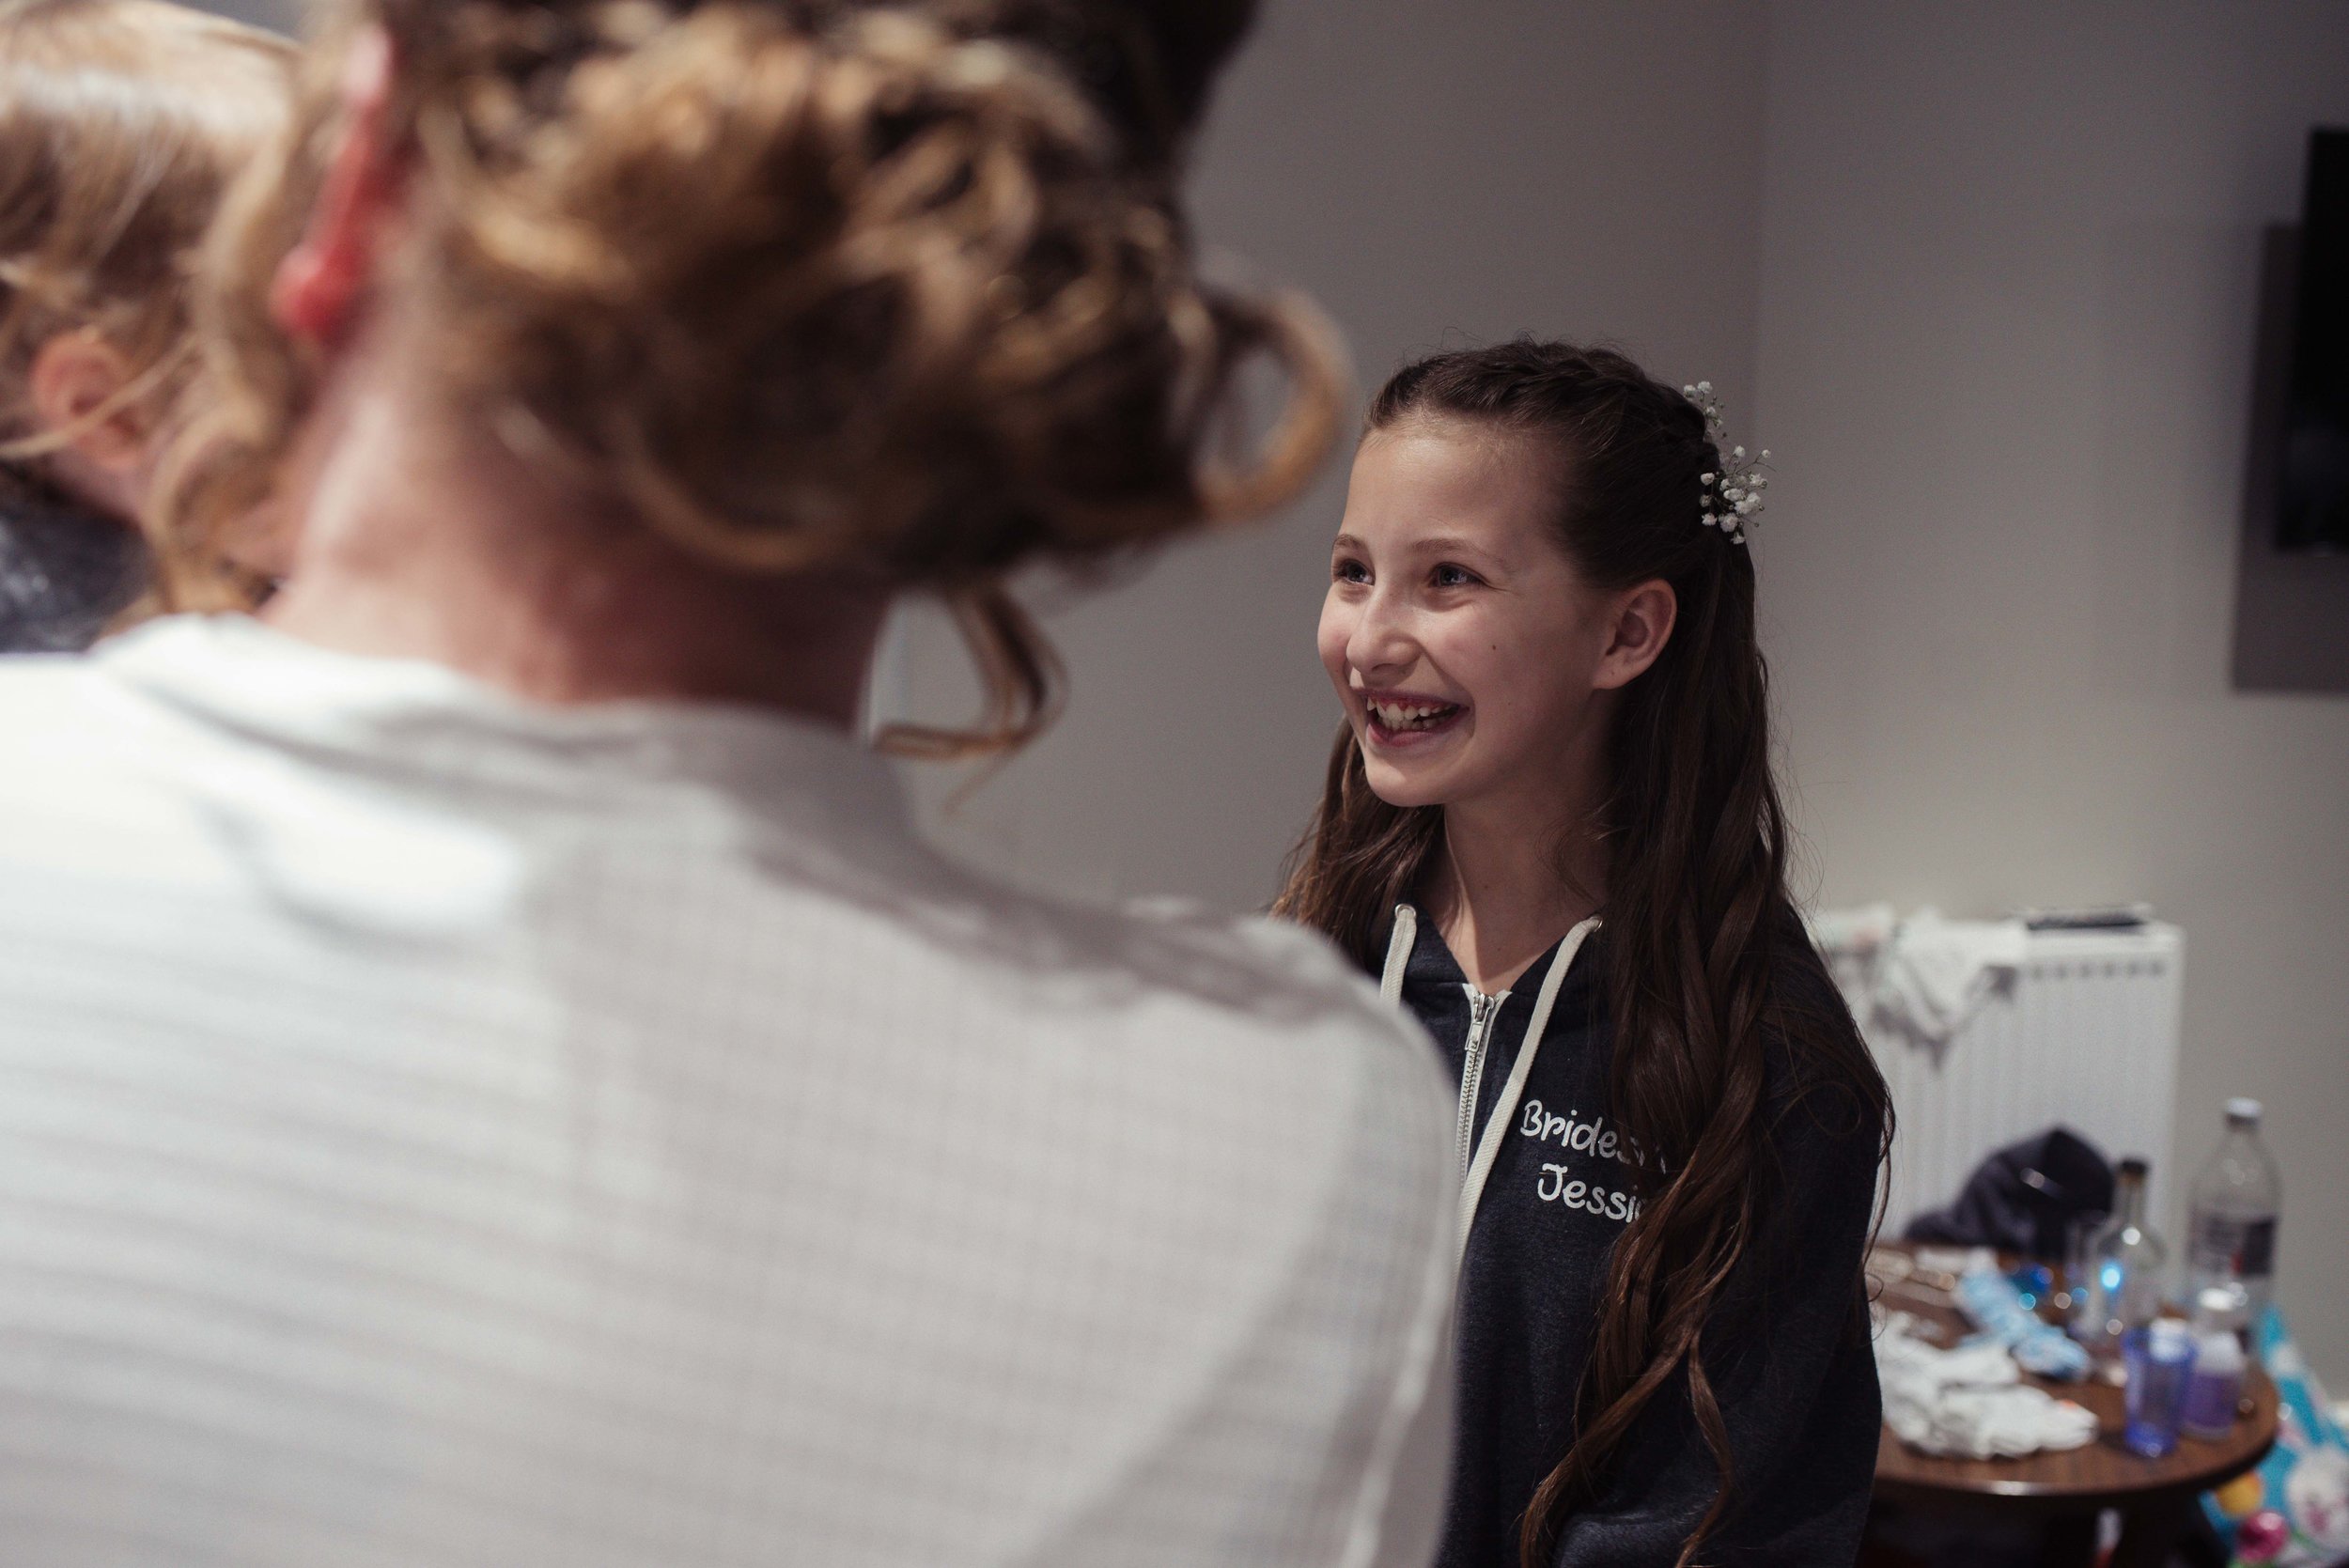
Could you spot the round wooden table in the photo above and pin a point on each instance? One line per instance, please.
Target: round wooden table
(2156, 1497)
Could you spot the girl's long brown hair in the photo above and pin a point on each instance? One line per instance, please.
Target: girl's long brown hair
(1696, 915)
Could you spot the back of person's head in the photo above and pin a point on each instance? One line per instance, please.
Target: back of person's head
(805, 285)
(121, 124)
(1149, 66)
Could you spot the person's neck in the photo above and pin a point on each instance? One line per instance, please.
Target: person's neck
(420, 537)
(1514, 875)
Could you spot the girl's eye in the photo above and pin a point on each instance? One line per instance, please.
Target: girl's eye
(1451, 577)
(1349, 571)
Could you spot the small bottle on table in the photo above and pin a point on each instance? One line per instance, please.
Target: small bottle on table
(2216, 1388)
(2161, 1362)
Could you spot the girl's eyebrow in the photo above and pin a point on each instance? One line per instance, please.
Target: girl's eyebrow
(1440, 544)
(1434, 544)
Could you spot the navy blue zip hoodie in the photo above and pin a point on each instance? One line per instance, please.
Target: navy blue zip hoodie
(1787, 1349)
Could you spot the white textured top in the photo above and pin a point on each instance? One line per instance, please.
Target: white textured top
(436, 1131)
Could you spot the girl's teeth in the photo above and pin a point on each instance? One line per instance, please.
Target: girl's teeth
(1396, 718)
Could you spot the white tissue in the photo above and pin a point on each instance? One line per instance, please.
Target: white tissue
(1969, 1402)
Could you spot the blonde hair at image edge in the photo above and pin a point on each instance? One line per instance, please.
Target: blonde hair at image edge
(121, 124)
(877, 293)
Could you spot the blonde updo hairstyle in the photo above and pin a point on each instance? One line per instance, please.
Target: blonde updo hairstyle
(902, 290)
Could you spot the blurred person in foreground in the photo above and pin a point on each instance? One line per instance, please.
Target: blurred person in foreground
(488, 1074)
(121, 122)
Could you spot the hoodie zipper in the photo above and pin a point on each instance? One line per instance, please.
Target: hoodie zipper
(1483, 1010)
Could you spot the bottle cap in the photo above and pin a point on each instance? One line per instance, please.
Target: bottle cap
(2169, 1336)
(2133, 1165)
(2224, 1304)
(2245, 1110)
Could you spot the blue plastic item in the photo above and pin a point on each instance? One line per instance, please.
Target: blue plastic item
(2035, 1282)
(2160, 1361)
(1994, 1304)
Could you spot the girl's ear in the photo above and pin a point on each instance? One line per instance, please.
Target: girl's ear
(322, 282)
(1643, 619)
(85, 401)
(91, 423)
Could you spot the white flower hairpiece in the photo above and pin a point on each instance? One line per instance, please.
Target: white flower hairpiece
(1732, 498)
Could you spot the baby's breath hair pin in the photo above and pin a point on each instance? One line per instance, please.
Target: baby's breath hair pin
(1732, 498)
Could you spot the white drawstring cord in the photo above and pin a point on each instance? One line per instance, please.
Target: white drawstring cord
(1496, 1127)
(1398, 953)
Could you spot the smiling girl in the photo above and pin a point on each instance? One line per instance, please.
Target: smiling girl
(1551, 825)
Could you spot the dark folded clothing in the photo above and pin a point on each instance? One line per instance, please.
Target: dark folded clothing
(2026, 1198)
(65, 572)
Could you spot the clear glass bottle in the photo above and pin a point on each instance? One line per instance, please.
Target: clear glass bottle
(2231, 1211)
(2125, 1261)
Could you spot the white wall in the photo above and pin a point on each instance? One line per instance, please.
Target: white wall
(2008, 285)
(1432, 174)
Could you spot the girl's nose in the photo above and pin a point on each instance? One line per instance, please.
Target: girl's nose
(1381, 643)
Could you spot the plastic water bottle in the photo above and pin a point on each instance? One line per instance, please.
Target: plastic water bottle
(2230, 1228)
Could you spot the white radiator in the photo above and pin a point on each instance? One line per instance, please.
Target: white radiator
(2087, 1036)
